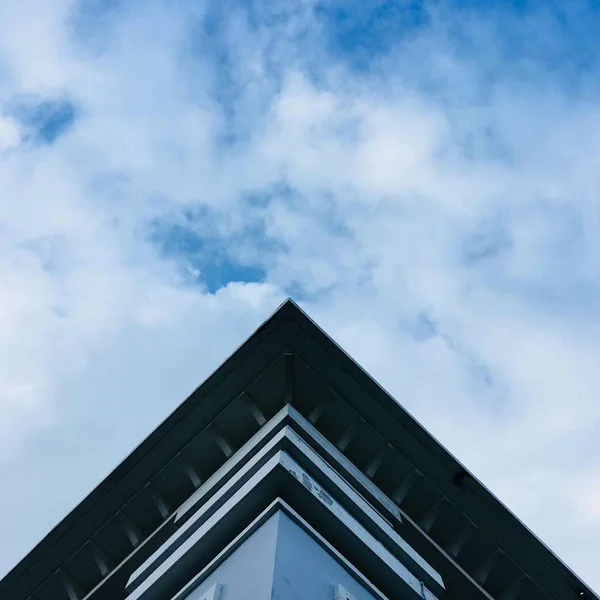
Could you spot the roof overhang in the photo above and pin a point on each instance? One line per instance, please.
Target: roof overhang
(290, 361)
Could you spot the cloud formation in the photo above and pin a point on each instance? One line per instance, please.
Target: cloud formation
(422, 177)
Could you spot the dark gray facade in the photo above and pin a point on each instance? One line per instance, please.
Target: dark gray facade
(291, 474)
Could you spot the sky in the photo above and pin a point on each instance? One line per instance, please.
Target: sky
(421, 177)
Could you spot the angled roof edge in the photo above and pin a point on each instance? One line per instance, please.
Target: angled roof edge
(469, 481)
(281, 314)
(289, 310)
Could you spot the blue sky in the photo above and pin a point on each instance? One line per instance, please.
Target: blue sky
(422, 176)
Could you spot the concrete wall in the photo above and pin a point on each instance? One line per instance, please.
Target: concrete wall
(305, 570)
(280, 561)
(248, 573)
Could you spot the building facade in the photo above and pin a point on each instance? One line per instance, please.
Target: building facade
(290, 474)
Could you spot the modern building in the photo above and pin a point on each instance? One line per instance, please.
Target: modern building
(290, 474)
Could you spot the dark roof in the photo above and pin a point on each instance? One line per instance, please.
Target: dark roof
(289, 359)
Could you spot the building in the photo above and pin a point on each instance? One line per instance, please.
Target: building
(290, 474)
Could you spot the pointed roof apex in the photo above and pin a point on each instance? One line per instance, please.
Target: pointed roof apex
(289, 359)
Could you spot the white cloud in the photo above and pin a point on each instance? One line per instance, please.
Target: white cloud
(10, 136)
(440, 213)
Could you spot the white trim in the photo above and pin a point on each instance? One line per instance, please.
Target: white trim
(279, 505)
(249, 481)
